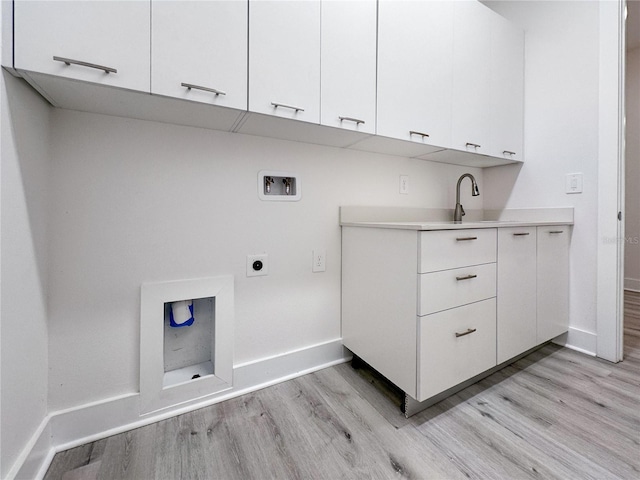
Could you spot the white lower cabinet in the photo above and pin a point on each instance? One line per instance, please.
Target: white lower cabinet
(516, 291)
(553, 281)
(455, 345)
(439, 308)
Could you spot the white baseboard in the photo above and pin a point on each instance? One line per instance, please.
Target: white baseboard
(579, 340)
(87, 423)
(632, 284)
(36, 455)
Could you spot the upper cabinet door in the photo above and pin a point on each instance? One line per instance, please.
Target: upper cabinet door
(284, 59)
(199, 51)
(415, 70)
(104, 42)
(507, 89)
(348, 62)
(471, 76)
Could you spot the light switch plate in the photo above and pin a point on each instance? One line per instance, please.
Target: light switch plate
(573, 183)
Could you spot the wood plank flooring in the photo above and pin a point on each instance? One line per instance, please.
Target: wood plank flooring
(553, 414)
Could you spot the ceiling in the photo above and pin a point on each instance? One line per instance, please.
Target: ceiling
(633, 24)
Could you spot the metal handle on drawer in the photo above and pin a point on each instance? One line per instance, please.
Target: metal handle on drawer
(466, 277)
(351, 119)
(474, 145)
(508, 152)
(69, 61)
(520, 234)
(284, 105)
(555, 232)
(413, 132)
(464, 239)
(206, 89)
(469, 330)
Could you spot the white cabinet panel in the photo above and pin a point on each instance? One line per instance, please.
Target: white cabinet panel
(553, 281)
(516, 291)
(284, 59)
(110, 34)
(445, 249)
(456, 345)
(452, 288)
(348, 63)
(415, 42)
(507, 90)
(203, 44)
(471, 68)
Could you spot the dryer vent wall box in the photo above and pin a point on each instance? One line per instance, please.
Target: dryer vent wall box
(279, 186)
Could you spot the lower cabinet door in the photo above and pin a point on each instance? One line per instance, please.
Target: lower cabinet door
(455, 345)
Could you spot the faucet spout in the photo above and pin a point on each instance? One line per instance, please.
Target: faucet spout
(459, 211)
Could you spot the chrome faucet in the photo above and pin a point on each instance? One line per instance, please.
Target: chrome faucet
(459, 213)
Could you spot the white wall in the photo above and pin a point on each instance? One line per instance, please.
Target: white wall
(561, 132)
(136, 201)
(24, 202)
(632, 192)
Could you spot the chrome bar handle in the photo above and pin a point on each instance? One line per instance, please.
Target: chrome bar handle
(520, 234)
(469, 330)
(466, 277)
(284, 105)
(69, 61)
(189, 86)
(413, 132)
(351, 119)
(508, 152)
(464, 239)
(474, 145)
(555, 232)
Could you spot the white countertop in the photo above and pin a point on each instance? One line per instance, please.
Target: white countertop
(439, 219)
(451, 225)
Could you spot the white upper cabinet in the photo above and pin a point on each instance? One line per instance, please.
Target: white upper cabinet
(471, 76)
(507, 89)
(348, 63)
(199, 51)
(415, 41)
(284, 59)
(105, 42)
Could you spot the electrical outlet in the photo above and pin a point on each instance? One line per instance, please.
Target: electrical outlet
(404, 184)
(319, 261)
(257, 265)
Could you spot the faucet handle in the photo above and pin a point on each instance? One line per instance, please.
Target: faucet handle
(462, 211)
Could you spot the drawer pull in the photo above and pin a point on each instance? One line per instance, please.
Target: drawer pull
(284, 105)
(189, 86)
(69, 61)
(520, 234)
(508, 152)
(469, 330)
(351, 119)
(464, 239)
(466, 277)
(555, 232)
(474, 145)
(413, 132)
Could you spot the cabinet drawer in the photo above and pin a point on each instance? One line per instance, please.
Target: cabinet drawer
(446, 249)
(448, 355)
(452, 288)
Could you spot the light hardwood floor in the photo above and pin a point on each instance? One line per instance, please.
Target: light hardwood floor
(553, 414)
